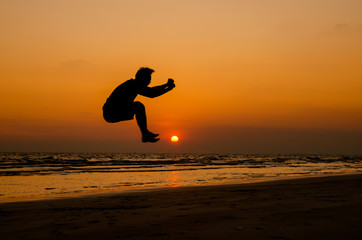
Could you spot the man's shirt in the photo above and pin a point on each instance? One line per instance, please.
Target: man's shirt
(124, 94)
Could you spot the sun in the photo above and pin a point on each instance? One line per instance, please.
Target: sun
(174, 139)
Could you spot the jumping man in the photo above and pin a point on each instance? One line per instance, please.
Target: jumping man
(120, 106)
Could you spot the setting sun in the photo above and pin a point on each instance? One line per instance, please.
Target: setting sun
(174, 139)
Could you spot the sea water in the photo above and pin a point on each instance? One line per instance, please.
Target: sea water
(29, 176)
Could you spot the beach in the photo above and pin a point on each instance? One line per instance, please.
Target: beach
(305, 208)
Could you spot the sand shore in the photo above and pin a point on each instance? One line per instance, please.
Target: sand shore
(308, 208)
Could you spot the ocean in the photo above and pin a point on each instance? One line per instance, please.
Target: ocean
(34, 176)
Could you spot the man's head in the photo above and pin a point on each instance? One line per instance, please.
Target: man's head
(144, 75)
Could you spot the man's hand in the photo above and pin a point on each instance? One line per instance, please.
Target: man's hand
(171, 83)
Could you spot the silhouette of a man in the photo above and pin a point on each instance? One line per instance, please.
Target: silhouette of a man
(120, 106)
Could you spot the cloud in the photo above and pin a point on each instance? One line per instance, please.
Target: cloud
(342, 27)
(347, 28)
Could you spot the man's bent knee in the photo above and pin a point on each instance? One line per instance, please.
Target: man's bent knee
(139, 106)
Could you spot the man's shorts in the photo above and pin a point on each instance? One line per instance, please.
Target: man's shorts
(116, 113)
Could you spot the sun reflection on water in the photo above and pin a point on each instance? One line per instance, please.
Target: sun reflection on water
(173, 179)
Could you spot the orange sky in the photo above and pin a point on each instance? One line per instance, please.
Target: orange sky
(251, 76)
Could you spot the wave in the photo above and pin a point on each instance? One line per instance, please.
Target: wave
(12, 164)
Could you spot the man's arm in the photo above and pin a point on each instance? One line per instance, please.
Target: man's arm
(156, 91)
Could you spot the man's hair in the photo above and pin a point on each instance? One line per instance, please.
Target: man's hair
(143, 72)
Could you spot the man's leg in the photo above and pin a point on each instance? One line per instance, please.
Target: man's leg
(141, 118)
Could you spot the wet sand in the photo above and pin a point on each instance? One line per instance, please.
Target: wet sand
(307, 208)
